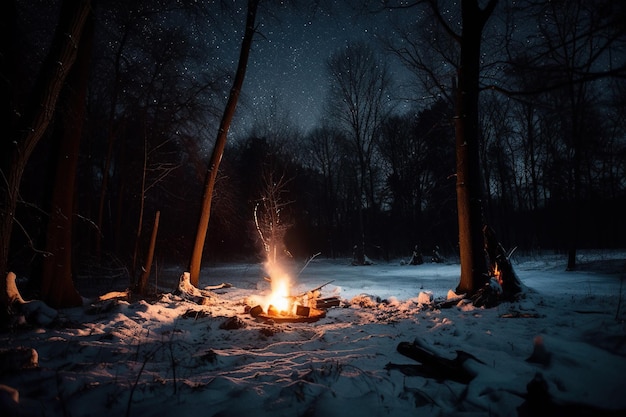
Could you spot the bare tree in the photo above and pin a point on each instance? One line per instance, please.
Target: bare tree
(467, 33)
(269, 215)
(563, 65)
(418, 150)
(220, 143)
(149, 82)
(578, 36)
(34, 120)
(359, 102)
(57, 287)
(323, 154)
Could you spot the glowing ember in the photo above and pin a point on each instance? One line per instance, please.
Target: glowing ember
(497, 274)
(281, 306)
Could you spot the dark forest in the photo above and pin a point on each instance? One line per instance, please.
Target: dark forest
(136, 117)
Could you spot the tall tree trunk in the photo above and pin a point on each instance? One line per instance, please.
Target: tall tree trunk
(220, 143)
(57, 286)
(142, 203)
(31, 127)
(469, 186)
(143, 280)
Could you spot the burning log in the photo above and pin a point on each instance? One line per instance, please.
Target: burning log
(504, 284)
(303, 311)
(312, 316)
(256, 311)
(500, 265)
(305, 307)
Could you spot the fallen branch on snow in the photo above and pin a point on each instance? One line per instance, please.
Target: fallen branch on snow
(34, 312)
(433, 365)
(189, 292)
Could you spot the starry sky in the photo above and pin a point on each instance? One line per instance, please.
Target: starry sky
(289, 54)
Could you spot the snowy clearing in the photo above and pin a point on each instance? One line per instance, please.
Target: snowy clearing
(173, 358)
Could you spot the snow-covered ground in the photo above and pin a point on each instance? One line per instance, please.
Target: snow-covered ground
(172, 358)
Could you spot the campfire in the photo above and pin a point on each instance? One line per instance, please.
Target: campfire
(282, 306)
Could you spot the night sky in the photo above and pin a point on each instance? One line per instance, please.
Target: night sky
(289, 54)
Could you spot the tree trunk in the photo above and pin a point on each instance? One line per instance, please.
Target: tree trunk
(142, 201)
(469, 180)
(220, 143)
(143, 280)
(33, 124)
(57, 287)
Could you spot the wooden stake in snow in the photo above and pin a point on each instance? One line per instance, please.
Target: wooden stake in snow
(143, 280)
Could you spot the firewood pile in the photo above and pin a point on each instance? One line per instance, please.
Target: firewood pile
(306, 307)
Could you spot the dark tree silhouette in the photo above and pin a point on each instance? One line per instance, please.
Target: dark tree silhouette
(24, 135)
(469, 180)
(57, 286)
(220, 143)
(359, 86)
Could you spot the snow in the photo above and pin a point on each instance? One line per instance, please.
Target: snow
(170, 357)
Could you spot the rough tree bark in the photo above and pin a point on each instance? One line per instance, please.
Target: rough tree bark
(474, 274)
(143, 280)
(57, 286)
(220, 143)
(24, 136)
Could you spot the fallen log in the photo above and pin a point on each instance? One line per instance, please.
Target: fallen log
(326, 303)
(433, 365)
(540, 403)
(124, 295)
(189, 292)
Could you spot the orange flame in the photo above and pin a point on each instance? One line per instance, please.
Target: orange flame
(279, 297)
(497, 274)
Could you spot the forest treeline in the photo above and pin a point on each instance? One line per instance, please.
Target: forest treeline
(371, 175)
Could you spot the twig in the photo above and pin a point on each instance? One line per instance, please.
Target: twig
(314, 289)
(308, 262)
(258, 228)
(172, 358)
(619, 300)
(132, 389)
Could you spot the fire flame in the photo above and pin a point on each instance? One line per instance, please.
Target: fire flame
(279, 298)
(497, 274)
